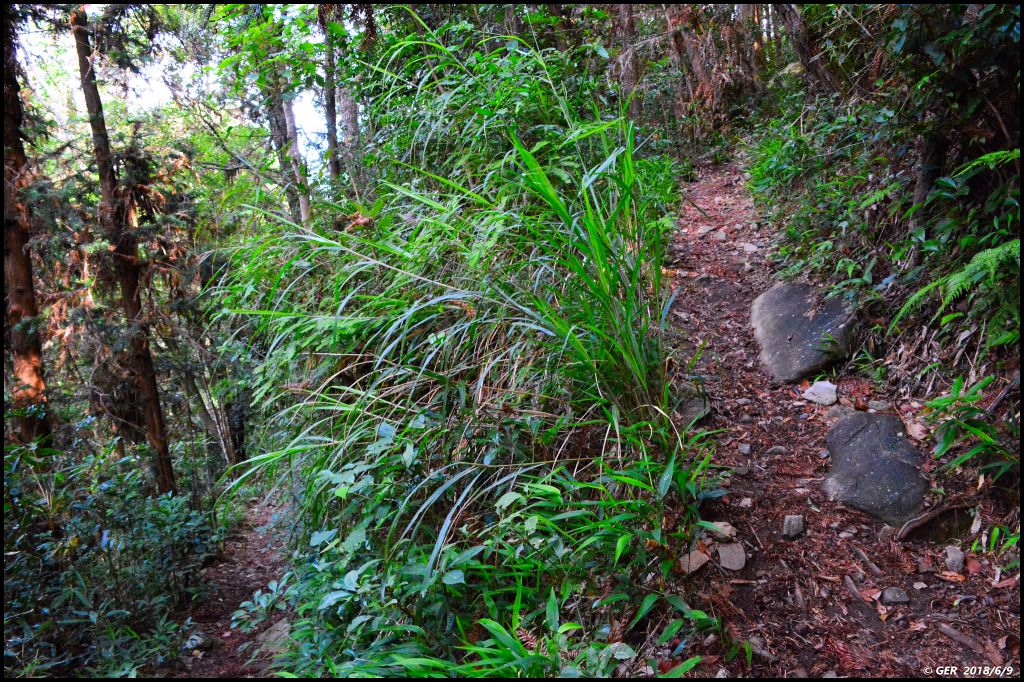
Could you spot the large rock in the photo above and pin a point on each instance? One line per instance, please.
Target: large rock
(875, 468)
(799, 332)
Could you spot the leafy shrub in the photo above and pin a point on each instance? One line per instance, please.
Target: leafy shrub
(93, 564)
(966, 430)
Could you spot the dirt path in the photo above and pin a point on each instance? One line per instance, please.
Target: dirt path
(251, 559)
(793, 599)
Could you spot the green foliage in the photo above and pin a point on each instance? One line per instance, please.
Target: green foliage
(93, 565)
(966, 431)
(484, 430)
(841, 172)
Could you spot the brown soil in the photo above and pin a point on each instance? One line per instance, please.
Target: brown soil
(793, 597)
(251, 559)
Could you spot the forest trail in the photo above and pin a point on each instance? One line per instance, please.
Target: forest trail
(813, 605)
(251, 560)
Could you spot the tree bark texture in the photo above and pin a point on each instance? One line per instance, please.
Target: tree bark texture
(28, 394)
(118, 217)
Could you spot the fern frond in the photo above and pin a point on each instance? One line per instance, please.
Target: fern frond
(986, 262)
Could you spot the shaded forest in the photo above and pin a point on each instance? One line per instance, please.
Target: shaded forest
(511, 340)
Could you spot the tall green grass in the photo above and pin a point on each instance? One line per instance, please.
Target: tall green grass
(471, 392)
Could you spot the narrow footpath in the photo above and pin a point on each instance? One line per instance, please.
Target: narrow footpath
(843, 597)
(251, 560)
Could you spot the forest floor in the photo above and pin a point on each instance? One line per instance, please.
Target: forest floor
(812, 606)
(251, 559)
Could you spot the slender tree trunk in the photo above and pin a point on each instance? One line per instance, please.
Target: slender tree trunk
(677, 50)
(279, 140)
(298, 165)
(806, 48)
(557, 12)
(118, 217)
(931, 155)
(331, 109)
(28, 395)
(628, 70)
(351, 139)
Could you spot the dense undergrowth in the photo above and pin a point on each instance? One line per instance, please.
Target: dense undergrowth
(490, 473)
(904, 194)
(95, 565)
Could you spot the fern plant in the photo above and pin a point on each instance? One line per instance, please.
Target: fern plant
(981, 271)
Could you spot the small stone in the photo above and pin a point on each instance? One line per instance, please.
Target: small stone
(824, 454)
(723, 528)
(886, 533)
(845, 536)
(840, 411)
(920, 585)
(747, 267)
(742, 401)
(722, 674)
(741, 471)
(732, 557)
(744, 448)
(746, 503)
(954, 559)
(693, 561)
(799, 672)
(822, 393)
(710, 639)
(800, 628)
(776, 450)
(895, 595)
(749, 248)
(757, 646)
(792, 526)
(745, 418)
(707, 229)
(199, 641)
(829, 674)
(721, 236)
(879, 406)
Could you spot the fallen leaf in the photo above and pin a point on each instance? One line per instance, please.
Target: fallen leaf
(1009, 582)
(973, 565)
(870, 595)
(952, 577)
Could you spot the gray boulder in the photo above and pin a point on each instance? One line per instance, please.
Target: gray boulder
(799, 332)
(875, 468)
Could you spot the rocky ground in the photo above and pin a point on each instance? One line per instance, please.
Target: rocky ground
(816, 586)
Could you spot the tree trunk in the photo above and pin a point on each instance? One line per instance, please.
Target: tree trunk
(628, 71)
(806, 48)
(117, 216)
(558, 14)
(351, 142)
(28, 394)
(279, 140)
(331, 109)
(931, 155)
(298, 165)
